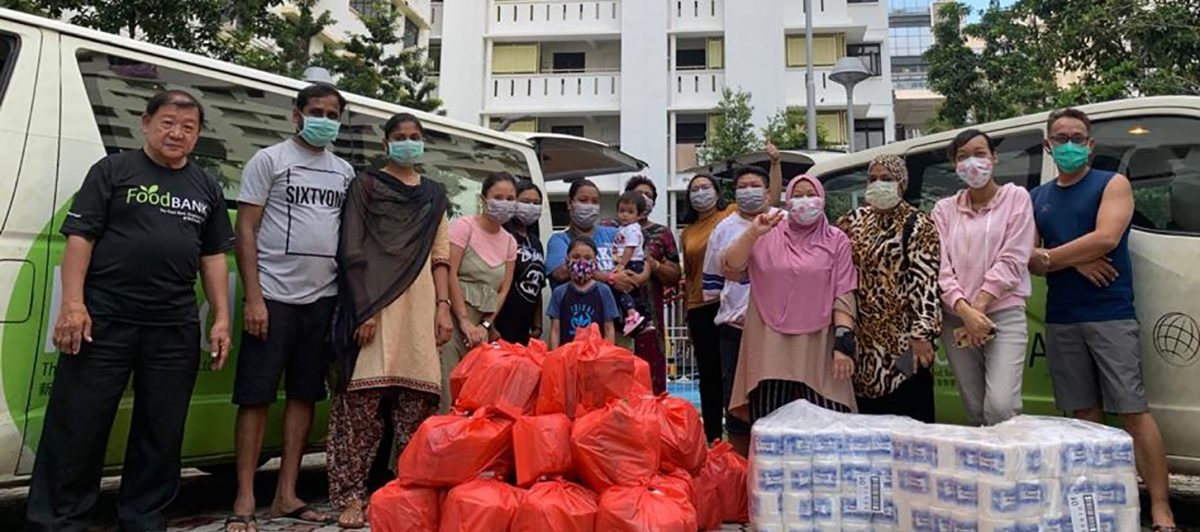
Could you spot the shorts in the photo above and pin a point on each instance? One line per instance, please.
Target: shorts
(1096, 364)
(297, 344)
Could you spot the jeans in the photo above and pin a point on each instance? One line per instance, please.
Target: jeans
(164, 362)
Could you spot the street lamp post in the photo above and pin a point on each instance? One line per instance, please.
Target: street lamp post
(848, 72)
(810, 84)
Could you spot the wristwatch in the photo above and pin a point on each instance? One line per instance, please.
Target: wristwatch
(486, 324)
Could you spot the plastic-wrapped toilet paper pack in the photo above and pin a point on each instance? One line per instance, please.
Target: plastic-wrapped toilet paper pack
(815, 469)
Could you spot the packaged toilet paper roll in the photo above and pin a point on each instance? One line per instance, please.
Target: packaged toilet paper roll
(826, 509)
(853, 512)
(1129, 519)
(767, 443)
(965, 520)
(766, 507)
(852, 470)
(914, 484)
(1113, 454)
(1115, 491)
(826, 475)
(1000, 500)
(966, 495)
(797, 510)
(998, 459)
(827, 445)
(1074, 458)
(1035, 496)
(997, 525)
(768, 476)
(942, 518)
(797, 446)
(881, 446)
(858, 444)
(799, 476)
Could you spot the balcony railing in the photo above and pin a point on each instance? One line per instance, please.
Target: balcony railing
(543, 17)
(584, 91)
(698, 15)
(698, 89)
(871, 91)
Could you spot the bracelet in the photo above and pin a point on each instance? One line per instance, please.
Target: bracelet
(443, 302)
(1046, 258)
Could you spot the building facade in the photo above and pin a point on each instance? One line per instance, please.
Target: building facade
(646, 75)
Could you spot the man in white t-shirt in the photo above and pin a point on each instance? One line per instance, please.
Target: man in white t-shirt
(734, 296)
(289, 212)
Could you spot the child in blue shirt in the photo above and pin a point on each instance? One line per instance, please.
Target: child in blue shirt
(583, 301)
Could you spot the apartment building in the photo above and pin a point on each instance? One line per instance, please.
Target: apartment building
(910, 34)
(646, 75)
(347, 20)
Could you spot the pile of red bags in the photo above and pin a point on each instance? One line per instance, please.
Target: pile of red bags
(570, 440)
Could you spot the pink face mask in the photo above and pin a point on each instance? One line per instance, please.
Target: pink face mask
(975, 171)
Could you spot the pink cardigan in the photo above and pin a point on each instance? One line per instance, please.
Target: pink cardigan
(987, 249)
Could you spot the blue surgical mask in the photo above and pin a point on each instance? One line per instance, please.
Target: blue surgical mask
(406, 152)
(319, 131)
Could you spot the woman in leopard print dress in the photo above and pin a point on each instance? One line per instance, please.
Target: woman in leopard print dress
(896, 252)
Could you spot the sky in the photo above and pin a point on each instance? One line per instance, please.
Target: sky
(980, 5)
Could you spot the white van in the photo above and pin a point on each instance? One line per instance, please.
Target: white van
(1156, 143)
(69, 96)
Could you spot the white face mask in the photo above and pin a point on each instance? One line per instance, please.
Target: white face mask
(975, 171)
(528, 213)
(806, 210)
(703, 199)
(883, 195)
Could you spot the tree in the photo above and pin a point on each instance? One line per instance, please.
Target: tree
(953, 67)
(289, 37)
(788, 130)
(370, 65)
(732, 133)
(193, 25)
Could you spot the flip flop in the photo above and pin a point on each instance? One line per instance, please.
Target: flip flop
(247, 521)
(1165, 528)
(298, 514)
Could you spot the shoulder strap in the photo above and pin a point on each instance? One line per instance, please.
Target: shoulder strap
(906, 234)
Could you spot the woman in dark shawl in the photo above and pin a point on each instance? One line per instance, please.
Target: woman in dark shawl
(393, 258)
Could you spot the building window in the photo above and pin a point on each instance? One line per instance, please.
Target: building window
(569, 61)
(909, 6)
(1162, 165)
(870, 54)
(365, 8)
(691, 59)
(909, 41)
(575, 131)
(691, 133)
(515, 58)
(868, 134)
(412, 33)
(8, 56)
(435, 59)
(827, 49)
(862, 1)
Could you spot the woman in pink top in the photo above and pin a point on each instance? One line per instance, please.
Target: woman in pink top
(987, 233)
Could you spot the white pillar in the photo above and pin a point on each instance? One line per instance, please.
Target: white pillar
(464, 65)
(645, 91)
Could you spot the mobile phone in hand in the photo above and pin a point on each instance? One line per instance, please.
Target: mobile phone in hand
(961, 337)
(906, 364)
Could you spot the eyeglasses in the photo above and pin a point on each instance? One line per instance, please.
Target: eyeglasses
(1078, 140)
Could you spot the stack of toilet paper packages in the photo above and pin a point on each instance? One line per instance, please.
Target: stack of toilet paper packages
(817, 470)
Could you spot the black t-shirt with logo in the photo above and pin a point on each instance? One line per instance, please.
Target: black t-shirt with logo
(150, 225)
(516, 316)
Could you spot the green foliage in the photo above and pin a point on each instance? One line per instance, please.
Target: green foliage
(1114, 49)
(291, 37)
(732, 132)
(368, 65)
(788, 130)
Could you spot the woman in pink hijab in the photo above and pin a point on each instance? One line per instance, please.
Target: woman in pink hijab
(798, 341)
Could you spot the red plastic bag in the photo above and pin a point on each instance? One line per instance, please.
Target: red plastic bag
(484, 355)
(506, 376)
(449, 450)
(558, 506)
(655, 506)
(706, 497)
(480, 505)
(729, 471)
(541, 447)
(617, 445)
(608, 372)
(559, 391)
(682, 434)
(395, 508)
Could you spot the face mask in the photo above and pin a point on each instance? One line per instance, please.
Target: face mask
(806, 211)
(500, 211)
(703, 199)
(883, 195)
(406, 152)
(1070, 156)
(751, 200)
(585, 215)
(975, 171)
(320, 132)
(649, 205)
(582, 271)
(528, 213)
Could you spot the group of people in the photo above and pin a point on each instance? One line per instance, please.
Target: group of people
(847, 313)
(363, 285)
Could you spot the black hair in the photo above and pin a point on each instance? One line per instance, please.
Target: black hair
(1068, 113)
(639, 180)
(578, 184)
(582, 241)
(966, 136)
(319, 90)
(513, 226)
(526, 184)
(738, 173)
(496, 178)
(689, 213)
(636, 198)
(397, 119)
(177, 98)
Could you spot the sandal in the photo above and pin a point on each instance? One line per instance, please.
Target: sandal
(248, 523)
(299, 515)
(1165, 528)
(355, 524)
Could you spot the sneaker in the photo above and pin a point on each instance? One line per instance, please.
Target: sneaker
(633, 324)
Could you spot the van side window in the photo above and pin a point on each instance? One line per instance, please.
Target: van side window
(1161, 157)
(844, 191)
(239, 120)
(8, 56)
(932, 177)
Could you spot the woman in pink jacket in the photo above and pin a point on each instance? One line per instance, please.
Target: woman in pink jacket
(987, 233)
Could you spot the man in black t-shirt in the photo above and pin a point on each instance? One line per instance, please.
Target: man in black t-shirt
(140, 227)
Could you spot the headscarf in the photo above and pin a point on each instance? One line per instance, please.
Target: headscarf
(895, 166)
(797, 272)
(387, 234)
